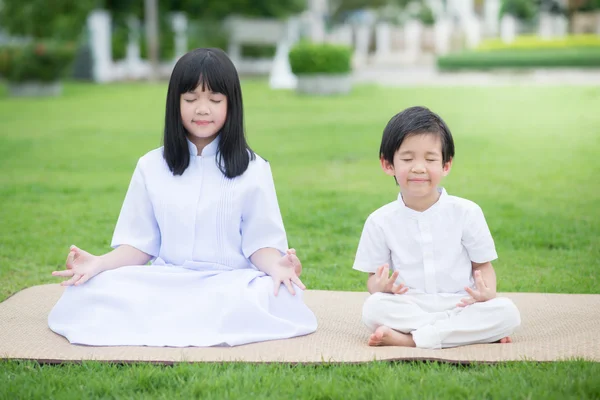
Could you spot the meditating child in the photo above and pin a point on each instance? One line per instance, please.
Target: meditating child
(203, 209)
(442, 290)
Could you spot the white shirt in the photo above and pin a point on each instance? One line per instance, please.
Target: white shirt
(433, 249)
(200, 219)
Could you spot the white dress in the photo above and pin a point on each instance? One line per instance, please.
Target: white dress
(201, 289)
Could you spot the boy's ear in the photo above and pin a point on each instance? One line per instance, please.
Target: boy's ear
(447, 167)
(387, 167)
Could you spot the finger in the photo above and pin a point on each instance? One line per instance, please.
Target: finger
(65, 273)
(400, 289)
(298, 283)
(394, 276)
(296, 261)
(396, 288)
(70, 259)
(472, 292)
(385, 271)
(466, 302)
(289, 286)
(479, 282)
(276, 284)
(291, 251)
(84, 279)
(379, 271)
(71, 281)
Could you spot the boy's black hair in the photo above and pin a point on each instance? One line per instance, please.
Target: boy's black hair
(415, 121)
(212, 69)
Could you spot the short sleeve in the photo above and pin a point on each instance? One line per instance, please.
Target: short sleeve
(137, 224)
(477, 238)
(262, 225)
(373, 250)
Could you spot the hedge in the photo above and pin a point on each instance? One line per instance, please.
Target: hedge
(543, 58)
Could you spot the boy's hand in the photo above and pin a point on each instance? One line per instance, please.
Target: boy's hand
(483, 293)
(384, 283)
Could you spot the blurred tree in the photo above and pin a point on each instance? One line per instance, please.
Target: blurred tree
(58, 19)
(219, 9)
(522, 9)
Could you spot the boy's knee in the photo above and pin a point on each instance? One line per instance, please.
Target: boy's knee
(511, 316)
(372, 310)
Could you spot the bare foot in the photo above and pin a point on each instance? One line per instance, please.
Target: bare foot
(384, 336)
(505, 340)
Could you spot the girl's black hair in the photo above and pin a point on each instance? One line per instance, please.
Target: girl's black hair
(415, 121)
(212, 69)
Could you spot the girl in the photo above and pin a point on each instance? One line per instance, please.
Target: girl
(203, 209)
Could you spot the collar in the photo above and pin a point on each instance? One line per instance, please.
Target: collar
(209, 150)
(430, 211)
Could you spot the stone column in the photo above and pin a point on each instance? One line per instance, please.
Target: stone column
(179, 24)
(508, 28)
(133, 60)
(281, 76)
(383, 43)
(101, 47)
(442, 31)
(413, 31)
(363, 37)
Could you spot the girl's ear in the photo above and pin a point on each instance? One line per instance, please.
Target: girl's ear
(387, 167)
(447, 167)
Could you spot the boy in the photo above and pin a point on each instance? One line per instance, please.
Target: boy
(439, 248)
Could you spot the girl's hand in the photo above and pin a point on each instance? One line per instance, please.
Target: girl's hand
(286, 271)
(483, 293)
(81, 267)
(384, 283)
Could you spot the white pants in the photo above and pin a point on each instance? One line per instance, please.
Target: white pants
(436, 322)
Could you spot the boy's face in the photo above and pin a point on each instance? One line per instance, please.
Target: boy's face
(418, 167)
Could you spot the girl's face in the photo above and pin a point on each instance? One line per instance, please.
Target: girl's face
(203, 114)
(418, 169)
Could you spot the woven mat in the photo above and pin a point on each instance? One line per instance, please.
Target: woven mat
(554, 327)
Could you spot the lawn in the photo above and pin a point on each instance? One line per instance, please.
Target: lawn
(527, 155)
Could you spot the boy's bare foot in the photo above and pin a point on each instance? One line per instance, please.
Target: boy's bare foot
(384, 336)
(505, 340)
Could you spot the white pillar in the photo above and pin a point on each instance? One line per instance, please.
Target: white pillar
(546, 26)
(133, 60)
(100, 41)
(508, 28)
(472, 28)
(281, 76)
(317, 10)
(363, 37)
(491, 11)
(179, 24)
(383, 42)
(560, 25)
(413, 30)
(442, 31)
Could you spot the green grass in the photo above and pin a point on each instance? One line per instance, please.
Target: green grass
(528, 156)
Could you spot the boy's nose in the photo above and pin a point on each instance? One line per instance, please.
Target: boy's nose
(418, 168)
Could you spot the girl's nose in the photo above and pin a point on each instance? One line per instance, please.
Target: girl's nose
(202, 109)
